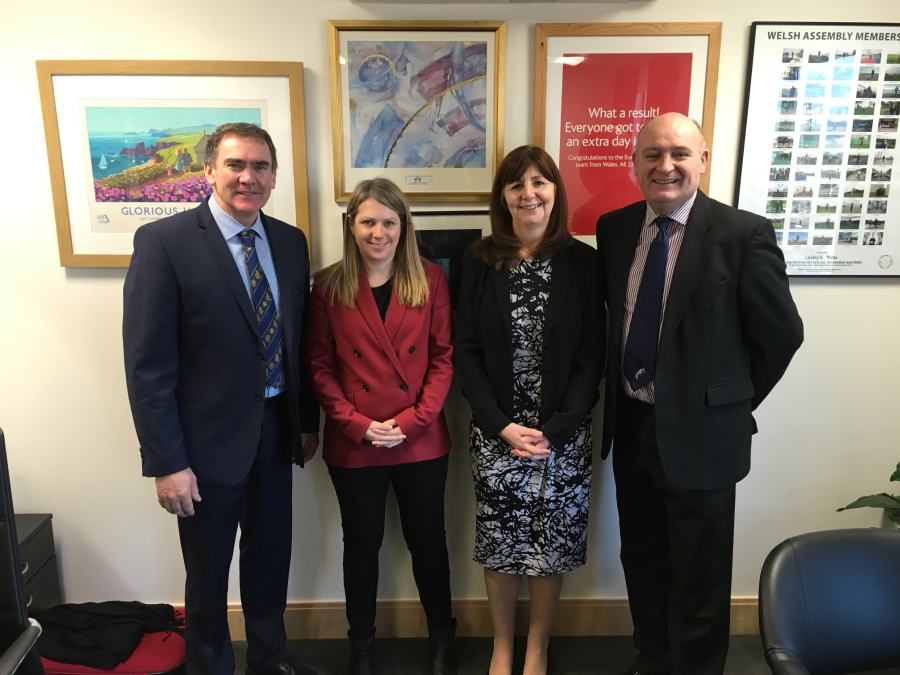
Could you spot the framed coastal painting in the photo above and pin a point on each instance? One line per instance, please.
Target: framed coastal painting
(419, 102)
(597, 84)
(126, 143)
(819, 141)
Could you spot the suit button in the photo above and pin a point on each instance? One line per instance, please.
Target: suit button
(365, 387)
(258, 397)
(357, 353)
(262, 357)
(412, 349)
(403, 387)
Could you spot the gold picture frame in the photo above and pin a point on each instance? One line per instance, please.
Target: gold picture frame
(87, 105)
(420, 102)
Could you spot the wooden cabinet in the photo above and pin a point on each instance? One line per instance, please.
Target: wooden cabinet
(37, 557)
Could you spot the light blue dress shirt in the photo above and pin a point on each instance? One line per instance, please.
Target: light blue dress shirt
(230, 229)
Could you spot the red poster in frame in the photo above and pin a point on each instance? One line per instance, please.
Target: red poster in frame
(606, 98)
(597, 84)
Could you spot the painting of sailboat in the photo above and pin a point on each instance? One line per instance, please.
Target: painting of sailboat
(154, 154)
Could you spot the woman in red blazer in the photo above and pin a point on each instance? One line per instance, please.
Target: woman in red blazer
(379, 353)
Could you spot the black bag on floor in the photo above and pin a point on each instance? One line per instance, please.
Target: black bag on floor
(100, 634)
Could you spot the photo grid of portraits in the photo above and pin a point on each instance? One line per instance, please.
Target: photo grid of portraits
(826, 158)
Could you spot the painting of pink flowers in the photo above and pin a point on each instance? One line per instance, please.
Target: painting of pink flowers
(154, 154)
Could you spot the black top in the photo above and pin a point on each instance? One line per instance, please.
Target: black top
(383, 297)
(573, 343)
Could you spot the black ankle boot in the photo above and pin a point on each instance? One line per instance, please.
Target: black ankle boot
(443, 654)
(361, 657)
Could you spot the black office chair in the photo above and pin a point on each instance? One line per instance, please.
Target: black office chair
(18, 633)
(829, 602)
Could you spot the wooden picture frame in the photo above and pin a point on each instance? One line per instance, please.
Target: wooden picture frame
(595, 84)
(420, 102)
(112, 168)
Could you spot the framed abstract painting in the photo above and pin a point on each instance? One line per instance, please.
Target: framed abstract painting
(419, 102)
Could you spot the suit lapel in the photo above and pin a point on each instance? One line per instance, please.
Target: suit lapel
(620, 258)
(396, 314)
(499, 287)
(365, 301)
(221, 255)
(562, 283)
(688, 269)
(286, 311)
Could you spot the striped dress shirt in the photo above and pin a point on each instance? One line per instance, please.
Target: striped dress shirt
(649, 231)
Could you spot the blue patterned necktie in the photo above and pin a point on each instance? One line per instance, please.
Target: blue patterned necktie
(639, 363)
(267, 325)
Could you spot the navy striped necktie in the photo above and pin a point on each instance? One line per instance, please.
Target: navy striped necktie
(268, 327)
(639, 362)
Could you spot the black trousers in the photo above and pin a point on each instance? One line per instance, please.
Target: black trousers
(261, 504)
(362, 494)
(676, 552)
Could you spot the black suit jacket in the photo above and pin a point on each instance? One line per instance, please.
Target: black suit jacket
(193, 361)
(573, 332)
(729, 331)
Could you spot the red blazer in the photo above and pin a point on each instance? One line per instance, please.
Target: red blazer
(363, 369)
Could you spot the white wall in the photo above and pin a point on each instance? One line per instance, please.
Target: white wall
(828, 433)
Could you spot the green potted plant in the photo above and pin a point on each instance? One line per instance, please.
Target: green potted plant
(890, 503)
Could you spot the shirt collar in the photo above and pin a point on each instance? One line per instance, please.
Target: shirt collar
(679, 215)
(228, 226)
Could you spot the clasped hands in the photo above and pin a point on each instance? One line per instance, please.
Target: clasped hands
(526, 443)
(385, 434)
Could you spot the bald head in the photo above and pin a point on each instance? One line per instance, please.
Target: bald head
(683, 125)
(669, 158)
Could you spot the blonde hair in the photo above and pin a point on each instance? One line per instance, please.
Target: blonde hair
(341, 280)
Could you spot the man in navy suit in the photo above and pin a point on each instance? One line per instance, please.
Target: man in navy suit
(678, 405)
(214, 302)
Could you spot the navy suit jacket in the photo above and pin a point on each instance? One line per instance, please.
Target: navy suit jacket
(729, 331)
(193, 362)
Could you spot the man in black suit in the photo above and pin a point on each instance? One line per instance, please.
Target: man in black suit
(214, 301)
(702, 326)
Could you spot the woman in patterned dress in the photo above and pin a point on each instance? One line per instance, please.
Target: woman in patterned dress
(529, 349)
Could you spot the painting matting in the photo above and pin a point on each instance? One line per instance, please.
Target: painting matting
(419, 102)
(125, 143)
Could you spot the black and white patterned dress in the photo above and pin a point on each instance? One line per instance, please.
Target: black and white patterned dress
(530, 517)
